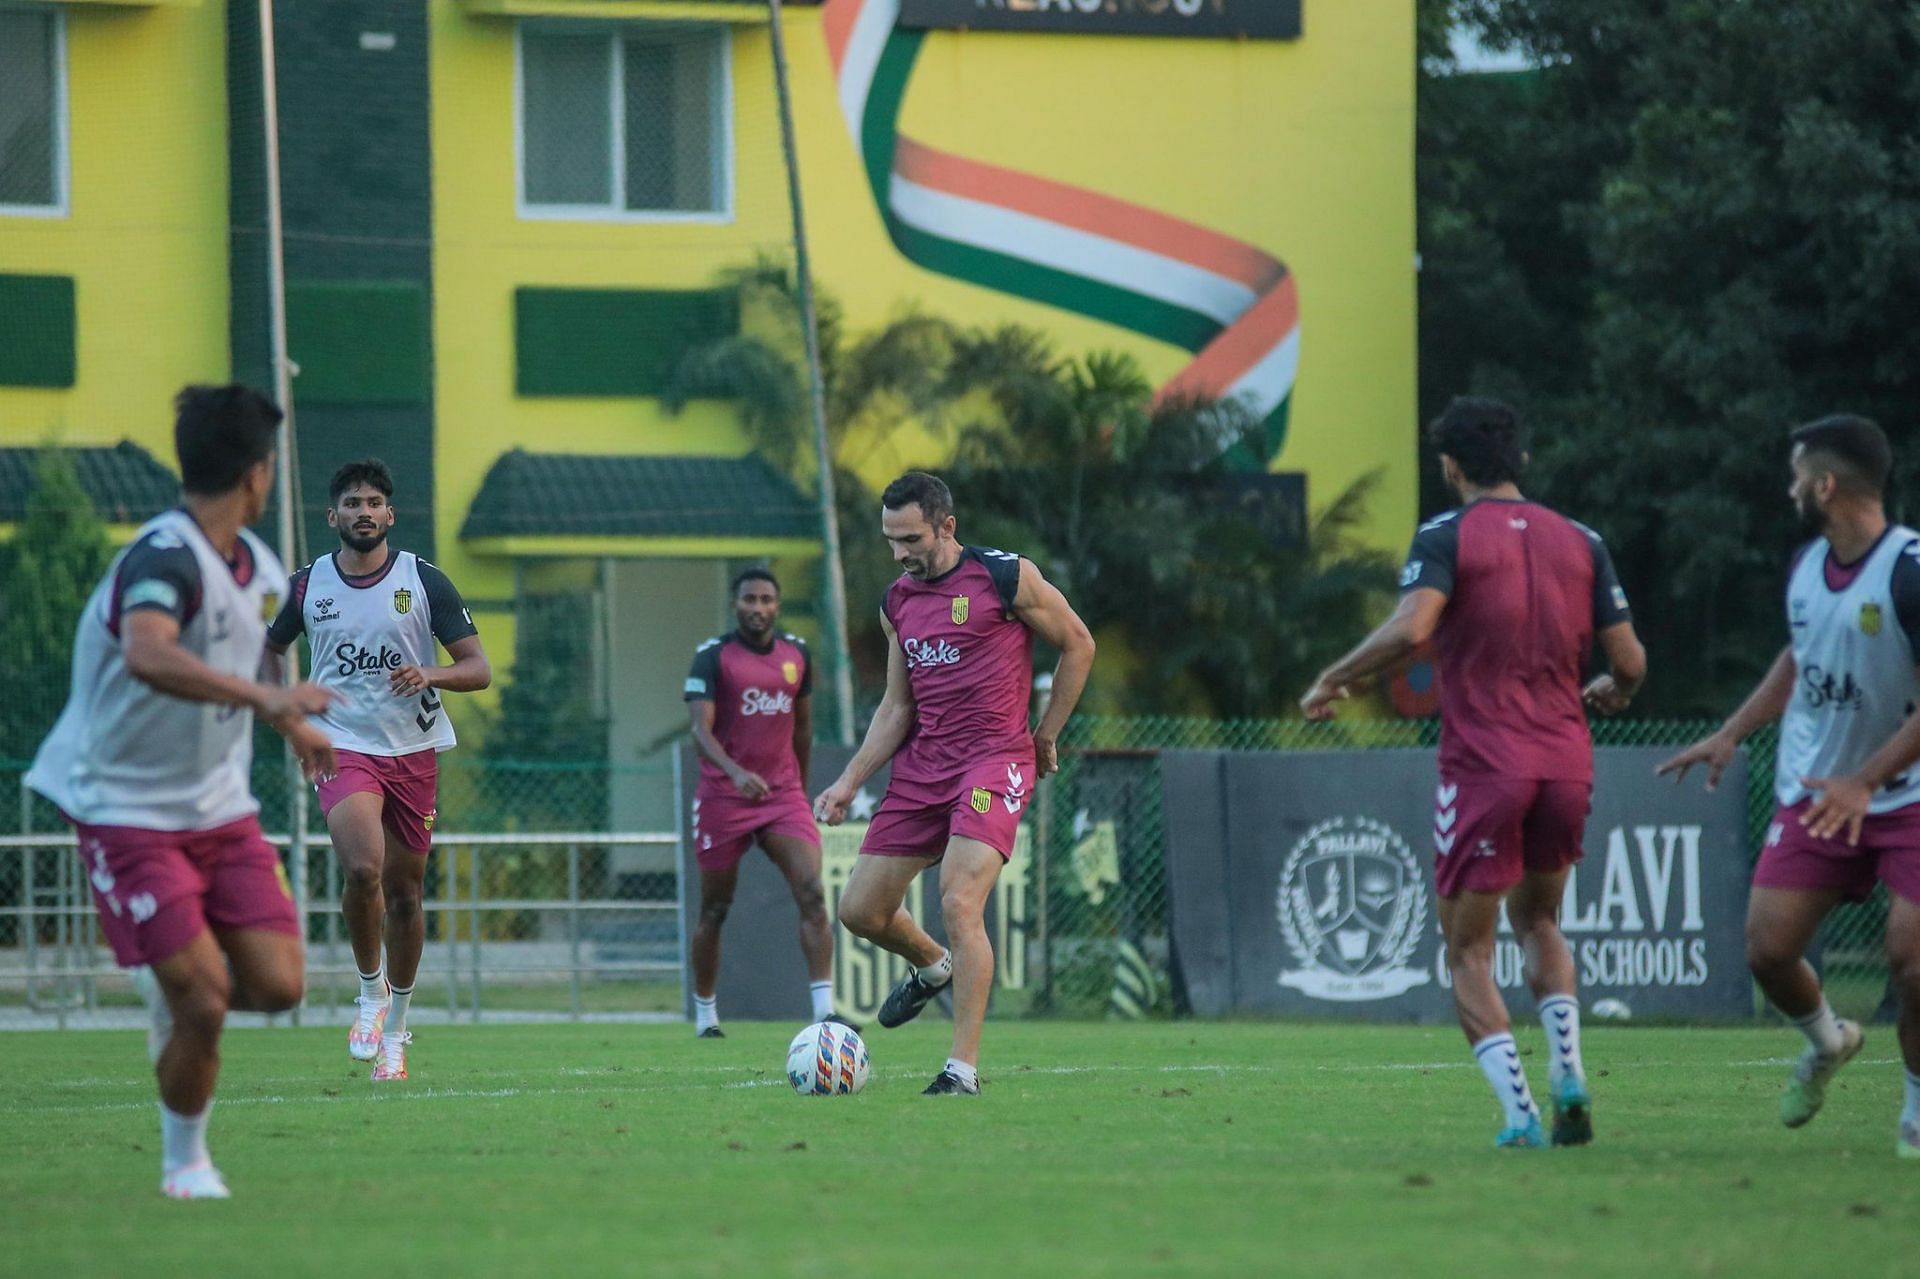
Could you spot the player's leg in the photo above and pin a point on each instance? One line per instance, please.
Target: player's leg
(872, 906)
(967, 876)
(1781, 923)
(196, 986)
(359, 835)
(798, 860)
(1903, 959)
(403, 886)
(1551, 835)
(716, 899)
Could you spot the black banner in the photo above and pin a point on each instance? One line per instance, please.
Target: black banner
(1257, 19)
(1303, 883)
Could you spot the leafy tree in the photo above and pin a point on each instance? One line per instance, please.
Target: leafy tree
(58, 553)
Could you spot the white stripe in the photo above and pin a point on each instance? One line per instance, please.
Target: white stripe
(1033, 239)
(1270, 381)
(865, 43)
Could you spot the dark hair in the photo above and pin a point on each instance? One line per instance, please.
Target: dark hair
(746, 575)
(929, 491)
(1854, 448)
(1484, 439)
(368, 470)
(218, 433)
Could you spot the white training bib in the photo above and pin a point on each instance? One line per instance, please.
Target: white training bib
(360, 635)
(1854, 678)
(123, 754)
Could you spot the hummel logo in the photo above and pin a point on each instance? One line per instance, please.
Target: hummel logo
(1447, 794)
(1444, 819)
(1443, 842)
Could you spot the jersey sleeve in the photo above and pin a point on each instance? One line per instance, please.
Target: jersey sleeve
(1004, 568)
(806, 665)
(703, 680)
(292, 621)
(158, 573)
(1433, 557)
(451, 620)
(1906, 594)
(1609, 597)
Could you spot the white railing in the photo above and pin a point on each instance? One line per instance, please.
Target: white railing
(61, 976)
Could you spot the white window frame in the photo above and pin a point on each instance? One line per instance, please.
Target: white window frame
(616, 107)
(62, 205)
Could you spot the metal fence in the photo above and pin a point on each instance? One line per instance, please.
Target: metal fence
(525, 921)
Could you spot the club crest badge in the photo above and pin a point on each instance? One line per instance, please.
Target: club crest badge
(791, 671)
(403, 601)
(962, 605)
(1352, 907)
(982, 799)
(1870, 618)
(269, 606)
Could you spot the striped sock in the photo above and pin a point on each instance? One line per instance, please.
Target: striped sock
(397, 1015)
(1560, 1015)
(1499, 1061)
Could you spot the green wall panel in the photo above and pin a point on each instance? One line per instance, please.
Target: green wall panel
(36, 330)
(612, 341)
(358, 342)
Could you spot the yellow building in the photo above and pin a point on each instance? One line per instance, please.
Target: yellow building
(506, 219)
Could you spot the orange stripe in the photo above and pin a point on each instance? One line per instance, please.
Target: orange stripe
(1248, 341)
(838, 19)
(1087, 211)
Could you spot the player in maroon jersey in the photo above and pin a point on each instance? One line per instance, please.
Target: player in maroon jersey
(1513, 596)
(750, 697)
(960, 623)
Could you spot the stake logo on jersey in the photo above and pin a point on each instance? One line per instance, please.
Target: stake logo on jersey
(1352, 907)
(755, 694)
(1856, 631)
(125, 755)
(363, 630)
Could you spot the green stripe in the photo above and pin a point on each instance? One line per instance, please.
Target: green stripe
(880, 123)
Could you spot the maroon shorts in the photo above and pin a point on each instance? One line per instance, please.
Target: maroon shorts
(406, 785)
(1889, 850)
(726, 826)
(916, 819)
(157, 890)
(1489, 831)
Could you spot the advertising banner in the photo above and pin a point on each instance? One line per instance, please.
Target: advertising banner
(1259, 19)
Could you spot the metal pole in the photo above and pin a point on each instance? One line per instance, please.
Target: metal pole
(28, 920)
(836, 618)
(473, 885)
(449, 920)
(1043, 696)
(573, 921)
(283, 396)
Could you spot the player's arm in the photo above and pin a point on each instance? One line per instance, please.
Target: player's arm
(1413, 622)
(747, 782)
(1039, 604)
(1610, 693)
(453, 627)
(891, 724)
(1767, 703)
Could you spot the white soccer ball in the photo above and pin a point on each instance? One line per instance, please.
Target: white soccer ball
(1612, 1009)
(827, 1060)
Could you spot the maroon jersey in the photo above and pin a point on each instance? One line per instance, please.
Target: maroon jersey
(753, 692)
(1526, 590)
(970, 661)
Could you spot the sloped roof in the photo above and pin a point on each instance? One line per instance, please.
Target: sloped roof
(574, 494)
(126, 484)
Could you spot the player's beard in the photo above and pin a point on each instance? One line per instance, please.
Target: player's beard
(1812, 518)
(362, 543)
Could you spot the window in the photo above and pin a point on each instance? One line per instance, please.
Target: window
(632, 124)
(33, 110)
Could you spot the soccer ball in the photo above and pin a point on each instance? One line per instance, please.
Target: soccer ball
(1612, 1010)
(827, 1060)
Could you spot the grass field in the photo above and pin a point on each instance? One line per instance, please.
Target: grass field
(1215, 1149)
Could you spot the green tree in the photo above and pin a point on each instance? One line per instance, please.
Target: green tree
(58, 553)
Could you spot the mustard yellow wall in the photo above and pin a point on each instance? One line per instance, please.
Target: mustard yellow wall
(145, 238)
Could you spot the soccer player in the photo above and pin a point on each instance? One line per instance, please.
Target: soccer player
(1513, 596)
(150, 760)
(960, 623)
(1845, 782)
(750, 698)
(371, 615)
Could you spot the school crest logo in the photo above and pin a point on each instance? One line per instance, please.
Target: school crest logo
(982, 799)
(1352, 907)
(403, 601)
(1870, 618)
(962, 605)
(791, 670)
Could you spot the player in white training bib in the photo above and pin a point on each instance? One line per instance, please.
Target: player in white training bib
(372, 615)
(1847, 785)
(150, 761)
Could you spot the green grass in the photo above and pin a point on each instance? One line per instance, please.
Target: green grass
(1203, 1149)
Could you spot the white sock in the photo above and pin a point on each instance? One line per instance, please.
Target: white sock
(822, 992)
(373, 987)
(963, 1071)
(939, 972)
(1821, 1030)
(397, 1015)
(1500, 1063)
(1910, 1116)
(706, 1012)
(1560, 1015)
(183, 1139)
